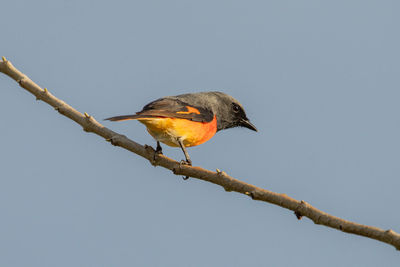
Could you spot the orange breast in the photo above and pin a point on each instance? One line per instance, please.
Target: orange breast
(168, 130)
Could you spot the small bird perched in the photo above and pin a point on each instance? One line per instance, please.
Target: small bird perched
(189, 119)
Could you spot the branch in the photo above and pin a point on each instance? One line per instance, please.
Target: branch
(300, 208)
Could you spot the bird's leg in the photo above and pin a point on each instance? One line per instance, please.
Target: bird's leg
(158, 150)
(188, 161)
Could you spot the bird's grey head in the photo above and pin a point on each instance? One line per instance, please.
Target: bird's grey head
(229, 112)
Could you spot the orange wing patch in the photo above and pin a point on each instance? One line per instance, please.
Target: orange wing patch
(189, 110)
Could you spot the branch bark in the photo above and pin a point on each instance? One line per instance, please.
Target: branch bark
(300, 208)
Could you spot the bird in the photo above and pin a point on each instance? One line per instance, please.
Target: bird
(190, 119)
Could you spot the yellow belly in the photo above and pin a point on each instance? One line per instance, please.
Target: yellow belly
(169, 130)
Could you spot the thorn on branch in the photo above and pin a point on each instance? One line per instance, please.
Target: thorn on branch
(87, 115)
(4, 59)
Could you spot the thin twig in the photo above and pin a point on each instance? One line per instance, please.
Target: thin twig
(300, 208)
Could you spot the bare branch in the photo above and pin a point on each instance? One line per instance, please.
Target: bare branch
(300, 208)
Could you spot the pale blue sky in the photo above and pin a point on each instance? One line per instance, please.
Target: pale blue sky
(320, 80)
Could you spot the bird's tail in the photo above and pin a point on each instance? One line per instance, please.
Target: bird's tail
(132, 117)
(124, 118)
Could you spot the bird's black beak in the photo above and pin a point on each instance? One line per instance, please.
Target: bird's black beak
(246, 123)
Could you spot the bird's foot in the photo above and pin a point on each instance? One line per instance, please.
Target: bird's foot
(185, 162)
(157, 152)
(158, 148)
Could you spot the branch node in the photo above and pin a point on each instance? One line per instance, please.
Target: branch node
(250, 194)
(220, 173)
(21, 81)
(298, 212)
(60, 109)
(152, 154)
(298, 215)
(44, 92)
(227, 189)
(389, 235)
(114, 139)
(87, 127)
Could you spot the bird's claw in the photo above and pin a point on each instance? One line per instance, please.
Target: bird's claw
(156, 153)
(158, 148)
(188, 163)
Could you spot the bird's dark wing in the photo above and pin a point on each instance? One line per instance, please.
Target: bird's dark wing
(169, 108)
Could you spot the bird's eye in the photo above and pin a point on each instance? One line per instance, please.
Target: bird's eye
(236, 108)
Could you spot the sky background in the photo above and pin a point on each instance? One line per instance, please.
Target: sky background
(320, 80)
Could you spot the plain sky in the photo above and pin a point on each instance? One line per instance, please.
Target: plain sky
(320, 80)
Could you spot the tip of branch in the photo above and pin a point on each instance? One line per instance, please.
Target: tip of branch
(4, 59)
